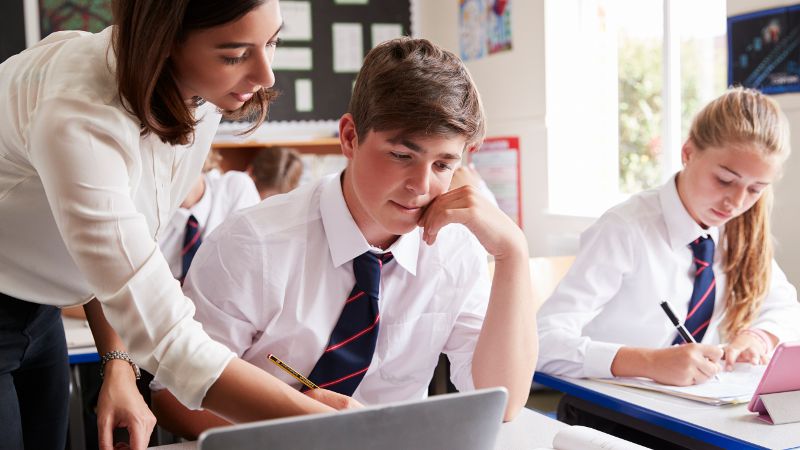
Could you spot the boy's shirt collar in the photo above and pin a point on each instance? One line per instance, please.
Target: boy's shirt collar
(345, 239)
(681, 227)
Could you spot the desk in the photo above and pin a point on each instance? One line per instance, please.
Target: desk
(81, 350)
(529, 430)
(731, 426)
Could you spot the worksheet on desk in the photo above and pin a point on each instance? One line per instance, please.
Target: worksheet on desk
(735, 386)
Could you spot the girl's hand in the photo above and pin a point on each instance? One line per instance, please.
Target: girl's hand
(685, 365)
(746, 347)
(121, 406)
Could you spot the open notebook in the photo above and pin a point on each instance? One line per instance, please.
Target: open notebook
(736, 386)
(583, 438)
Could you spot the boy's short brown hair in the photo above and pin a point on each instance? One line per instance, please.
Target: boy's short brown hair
(419, 88)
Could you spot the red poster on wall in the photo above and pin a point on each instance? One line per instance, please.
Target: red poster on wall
(498, 163)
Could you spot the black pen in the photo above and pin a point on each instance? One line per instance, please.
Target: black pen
(687, 337)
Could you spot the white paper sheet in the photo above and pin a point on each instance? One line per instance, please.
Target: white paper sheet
(296, 21)
(348, 47)
(303, 96)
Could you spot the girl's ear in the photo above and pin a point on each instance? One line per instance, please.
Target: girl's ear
(687, 152)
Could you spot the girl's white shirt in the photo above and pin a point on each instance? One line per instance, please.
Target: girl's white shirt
(636, 255)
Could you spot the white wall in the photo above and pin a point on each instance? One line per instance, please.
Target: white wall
(786, 218)
(512, 85)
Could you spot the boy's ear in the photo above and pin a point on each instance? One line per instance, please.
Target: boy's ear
(348, 138)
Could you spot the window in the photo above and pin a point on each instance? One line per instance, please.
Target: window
(624, 79)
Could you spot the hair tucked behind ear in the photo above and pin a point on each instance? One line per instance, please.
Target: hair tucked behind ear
(744, 117)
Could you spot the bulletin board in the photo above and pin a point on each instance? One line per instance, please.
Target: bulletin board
(764, 50)
(322, 46)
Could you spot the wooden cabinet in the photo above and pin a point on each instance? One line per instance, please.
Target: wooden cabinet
(237, 155)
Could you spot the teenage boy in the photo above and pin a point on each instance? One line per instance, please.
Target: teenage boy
(278, 278)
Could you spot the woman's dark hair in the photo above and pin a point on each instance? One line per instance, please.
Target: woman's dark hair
(144, 34)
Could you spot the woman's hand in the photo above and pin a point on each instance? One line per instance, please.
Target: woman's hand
(121, 406)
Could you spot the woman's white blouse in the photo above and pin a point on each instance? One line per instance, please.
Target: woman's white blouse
(83, 198)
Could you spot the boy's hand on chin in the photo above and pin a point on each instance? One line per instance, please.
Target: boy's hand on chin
(498, 234)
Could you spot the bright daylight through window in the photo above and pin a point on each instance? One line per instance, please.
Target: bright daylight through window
(624, 78)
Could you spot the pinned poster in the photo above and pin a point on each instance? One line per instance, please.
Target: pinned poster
(498, 163)
(484, 27)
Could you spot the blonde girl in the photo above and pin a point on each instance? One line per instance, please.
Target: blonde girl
(604, 319)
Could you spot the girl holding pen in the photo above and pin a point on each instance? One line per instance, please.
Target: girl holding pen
(702, 241)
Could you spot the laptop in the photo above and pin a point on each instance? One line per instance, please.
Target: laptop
(465, 421)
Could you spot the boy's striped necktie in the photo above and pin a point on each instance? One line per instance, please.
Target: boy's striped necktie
(352, 343)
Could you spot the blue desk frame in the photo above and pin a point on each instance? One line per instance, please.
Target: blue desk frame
(644, 414)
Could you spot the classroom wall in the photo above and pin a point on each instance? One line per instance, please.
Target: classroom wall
(786, 218)
(512, 85)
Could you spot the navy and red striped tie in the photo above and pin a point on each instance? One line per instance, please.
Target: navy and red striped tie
(352, 343)
(191, 242)
(701, 305)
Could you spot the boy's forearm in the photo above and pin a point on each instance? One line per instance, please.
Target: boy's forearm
(507, 347)
(180, 420)
(244, 393)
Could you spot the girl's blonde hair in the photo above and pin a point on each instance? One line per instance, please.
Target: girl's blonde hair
(745, 117)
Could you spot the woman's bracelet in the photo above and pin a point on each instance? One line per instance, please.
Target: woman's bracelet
(762, 336)
(115, 354)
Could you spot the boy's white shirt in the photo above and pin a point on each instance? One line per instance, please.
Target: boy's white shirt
(273, 279)
(636, 255)
(224, 193)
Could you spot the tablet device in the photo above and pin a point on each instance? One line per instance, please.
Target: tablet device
(466, 421)
(780, 375)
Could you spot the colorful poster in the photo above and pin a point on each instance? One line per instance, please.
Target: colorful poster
(500, 26)
(484, 27)
(87, 15)
(498, 163)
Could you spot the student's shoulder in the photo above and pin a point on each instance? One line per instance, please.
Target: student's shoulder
(230, 181)
(638, 212)
(278, 218)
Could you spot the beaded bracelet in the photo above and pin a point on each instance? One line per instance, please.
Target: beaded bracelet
(124, 356)
(762, 336)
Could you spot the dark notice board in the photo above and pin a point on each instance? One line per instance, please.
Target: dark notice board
(331, 90)
(12, 29)
(764, 50)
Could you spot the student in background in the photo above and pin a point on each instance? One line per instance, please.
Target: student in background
(213, 198)
(278, 278)
(101, 137)
(701, 241)
(276, 170)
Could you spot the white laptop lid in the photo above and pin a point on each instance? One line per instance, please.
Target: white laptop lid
(466, 421)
